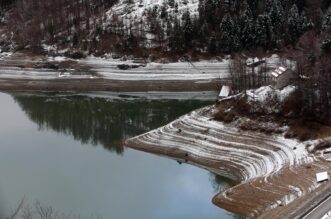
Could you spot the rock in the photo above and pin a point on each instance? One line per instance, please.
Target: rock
(75, 54)
(123, 66)
(49, 65)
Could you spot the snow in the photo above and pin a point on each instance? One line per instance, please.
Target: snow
(278, 71)
(268, 98)
(202, 71)
(134, 16)
(225, 91)
(322, 176)
(58, 59)
(225, 143)
(327, 215)
(4, 55)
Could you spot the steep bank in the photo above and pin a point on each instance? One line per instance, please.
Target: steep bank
(271, 171)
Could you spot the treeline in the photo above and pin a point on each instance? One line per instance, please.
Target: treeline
(219, 26)
(313, 58)
(230, 26)
(226, 26)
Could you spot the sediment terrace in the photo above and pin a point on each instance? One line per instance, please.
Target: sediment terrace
(23, 71)
(271, 171)
(20, 71)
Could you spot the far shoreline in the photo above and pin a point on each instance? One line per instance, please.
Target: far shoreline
(99, 84)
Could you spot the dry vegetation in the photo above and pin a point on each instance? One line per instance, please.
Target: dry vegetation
(39, 211)
(300, 125)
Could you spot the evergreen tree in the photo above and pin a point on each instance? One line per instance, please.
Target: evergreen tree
(201, 10)
(276, 14)
(244, 8)
(268, 6)
(212, 45)
(164, 13)
(187, 28)
(326, 24)
(203, 33)
(295, 24)
(229, 35)
(307, 24)
(246, 27)
(254, 6)
(264, 31)
(210, 12)
(176, 40)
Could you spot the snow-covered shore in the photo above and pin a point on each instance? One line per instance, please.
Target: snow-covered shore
(93, 67)
(271, 171)
(24, 66)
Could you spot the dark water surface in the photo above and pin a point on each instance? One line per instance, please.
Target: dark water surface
(65, 151)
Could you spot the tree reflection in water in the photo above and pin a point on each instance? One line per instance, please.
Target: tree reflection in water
(101, 121)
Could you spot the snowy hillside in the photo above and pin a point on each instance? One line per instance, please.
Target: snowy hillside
(144, 17)
(138, 10)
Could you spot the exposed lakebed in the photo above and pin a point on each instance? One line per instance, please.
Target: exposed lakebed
(65, 151)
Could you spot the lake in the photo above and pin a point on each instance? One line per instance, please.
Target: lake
(65, 151)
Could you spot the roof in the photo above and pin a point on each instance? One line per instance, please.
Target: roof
(278, 71)
(225, 92)
(321, 176)
(255, 62)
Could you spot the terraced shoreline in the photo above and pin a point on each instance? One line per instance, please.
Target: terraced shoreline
(272, 172)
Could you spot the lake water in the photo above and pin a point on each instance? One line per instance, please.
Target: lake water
(65, 151)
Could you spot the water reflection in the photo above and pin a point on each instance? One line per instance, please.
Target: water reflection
(94, 121)
(58, 172)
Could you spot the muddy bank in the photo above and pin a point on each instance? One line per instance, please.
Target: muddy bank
(272, 172)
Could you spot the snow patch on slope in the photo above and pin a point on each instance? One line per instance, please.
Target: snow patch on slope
(269, 99)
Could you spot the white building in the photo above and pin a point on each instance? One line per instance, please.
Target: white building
(225, 91)
(322, 176)
(281, 77)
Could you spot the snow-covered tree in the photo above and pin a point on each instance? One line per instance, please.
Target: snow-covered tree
(263, 31)
(187, 27)
(176, 39)
(295, 24)
(246, 27)
(307, 24)
(326, 24)
(229, 34)
(268, 6)
(276, 14)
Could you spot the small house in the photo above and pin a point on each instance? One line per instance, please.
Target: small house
(225, 92)
(322, 176)
(253, 63)
(281, 77)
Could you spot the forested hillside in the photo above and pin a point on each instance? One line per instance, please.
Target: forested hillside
(168, 26)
